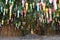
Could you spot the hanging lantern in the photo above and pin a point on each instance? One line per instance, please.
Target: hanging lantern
(44, 6)
(1, 9)
(55, 4)
(6, 2)
(4, 12)
(2, 21)
(50, 1)
(10, 1)
(33, 4)
(47, 12)
(10, 8)
(30, 6)
(26, 5)
(38, 6)
(18, 13)
(10, 15)
(23, 2)
(50, 13)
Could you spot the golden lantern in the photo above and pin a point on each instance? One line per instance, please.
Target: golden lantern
(26, 5)
(43, 6)
(46, 10)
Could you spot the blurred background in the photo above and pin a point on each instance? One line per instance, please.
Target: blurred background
(22, 17)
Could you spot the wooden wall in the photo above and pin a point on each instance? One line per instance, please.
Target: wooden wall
(10, 31)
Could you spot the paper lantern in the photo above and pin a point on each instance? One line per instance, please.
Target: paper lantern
(18, 13)
(44, 6)
(47, 12)
(50, 13)
(38, 6)
(50, 1)
(26, 5)
(23, 2)
(1, 9)
(10, 15)
(33, 4)
(2, 22)
(55, 4)
(6, 2)
(4, 12)
(10, 8)
(10, 1)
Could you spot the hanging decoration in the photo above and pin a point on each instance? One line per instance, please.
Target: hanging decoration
(55, 4)
(33, 4)
(33, 12)
(31, 7)
(26, 5)
(18, 12)
(46, 12)
(23, 2)
(2, 22)
(1, 9)
(4, 12)
(6, 2)
(50, 1)
(38, 7)
(44, 6)
(50, 13)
